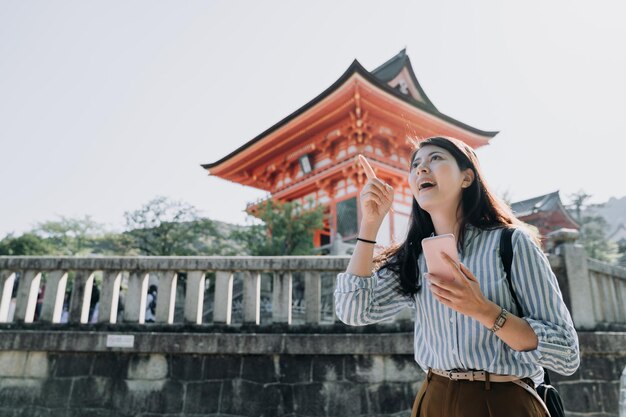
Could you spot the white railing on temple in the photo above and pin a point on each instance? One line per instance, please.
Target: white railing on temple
(59, 289)
(41, 291)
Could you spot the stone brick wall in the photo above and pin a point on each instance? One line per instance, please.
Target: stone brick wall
(280, 375)
(594, 389)
(117, 384)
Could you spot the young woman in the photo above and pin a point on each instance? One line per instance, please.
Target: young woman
(469, 336)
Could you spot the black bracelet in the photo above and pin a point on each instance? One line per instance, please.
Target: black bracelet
(373, 242)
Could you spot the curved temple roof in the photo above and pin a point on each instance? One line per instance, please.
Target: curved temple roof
(380, 77)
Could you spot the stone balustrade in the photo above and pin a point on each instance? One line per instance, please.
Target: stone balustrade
(593, 291)
(608, 291)
(142, 270)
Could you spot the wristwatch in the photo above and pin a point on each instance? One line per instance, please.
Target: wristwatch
(500, 320)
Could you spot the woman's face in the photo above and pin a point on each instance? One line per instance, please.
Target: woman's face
(437, 166)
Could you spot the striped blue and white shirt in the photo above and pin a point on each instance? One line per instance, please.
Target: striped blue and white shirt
(446, 339)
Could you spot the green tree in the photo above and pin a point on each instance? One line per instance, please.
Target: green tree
(70, 236)
(26, 244)
(593, 236)
(114, 244)
(621, 245)
(164, 227)
(287, 229)
(593, 229)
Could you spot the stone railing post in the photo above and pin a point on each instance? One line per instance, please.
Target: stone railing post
(194, 297)
(135, 302)
(81, 297)
(166, 296)
(281, 297)
(313, 296)
(581, 293)
(251, 297)
(109, 297)
(54, 296)
(222, 306)
(27, 292)
(7, 280)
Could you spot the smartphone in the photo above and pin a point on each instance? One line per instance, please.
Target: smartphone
(436, 263)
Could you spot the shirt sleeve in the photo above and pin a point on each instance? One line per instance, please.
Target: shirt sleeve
(538, 292)
(367, 300)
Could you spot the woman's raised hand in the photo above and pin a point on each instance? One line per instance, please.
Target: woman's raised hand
(376, 197)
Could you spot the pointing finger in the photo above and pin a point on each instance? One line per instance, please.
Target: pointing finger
(367, 167)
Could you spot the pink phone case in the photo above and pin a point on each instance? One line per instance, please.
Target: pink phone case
(432, 247)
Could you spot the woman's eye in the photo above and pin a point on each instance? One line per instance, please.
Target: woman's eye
(436, 156)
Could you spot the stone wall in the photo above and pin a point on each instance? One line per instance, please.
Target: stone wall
(47, 373)
(114, 384)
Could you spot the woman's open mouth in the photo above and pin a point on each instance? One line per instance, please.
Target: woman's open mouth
(426, 186)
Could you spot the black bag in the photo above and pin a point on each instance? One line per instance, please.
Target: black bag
(547, 392)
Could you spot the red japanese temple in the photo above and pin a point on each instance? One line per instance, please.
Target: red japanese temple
(310, 154)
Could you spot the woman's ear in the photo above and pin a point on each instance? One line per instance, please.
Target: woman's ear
(468, 179)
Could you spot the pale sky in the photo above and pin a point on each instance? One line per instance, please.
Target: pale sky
(107, 104)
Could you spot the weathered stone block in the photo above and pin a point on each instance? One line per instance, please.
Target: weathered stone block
(7, 412)
(327, 368)
(286, 404)
(557, 379)
(619, 365)
(609, 392)
(246, 398)
(389, 398)
(70, 364)
(31, 411)
(402, 369)
(365, 369)
(93, 392)
(112, 365)
(148, 396)
(345, 398)
(222, 367)
(147, 367)
(309, 399)
(12, 363)
(186, 367)
(172, 415)
(63, 412)
(581, 397)
(295, 369)
(259, 368)
(233, 394)
(598, 368)
(36, 365)
(55, 393)
(202, 397)
(91, 412)
(20, 391)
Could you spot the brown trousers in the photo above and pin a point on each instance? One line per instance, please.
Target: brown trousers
(442, 397)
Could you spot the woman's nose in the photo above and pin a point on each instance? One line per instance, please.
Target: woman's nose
(422, 167)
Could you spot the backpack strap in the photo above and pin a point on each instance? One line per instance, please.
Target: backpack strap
(506, 254)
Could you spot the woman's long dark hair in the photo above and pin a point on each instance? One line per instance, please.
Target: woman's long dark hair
(480, 208)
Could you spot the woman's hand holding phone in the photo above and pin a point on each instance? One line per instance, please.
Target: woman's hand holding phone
(376, 198)
(462, 293)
